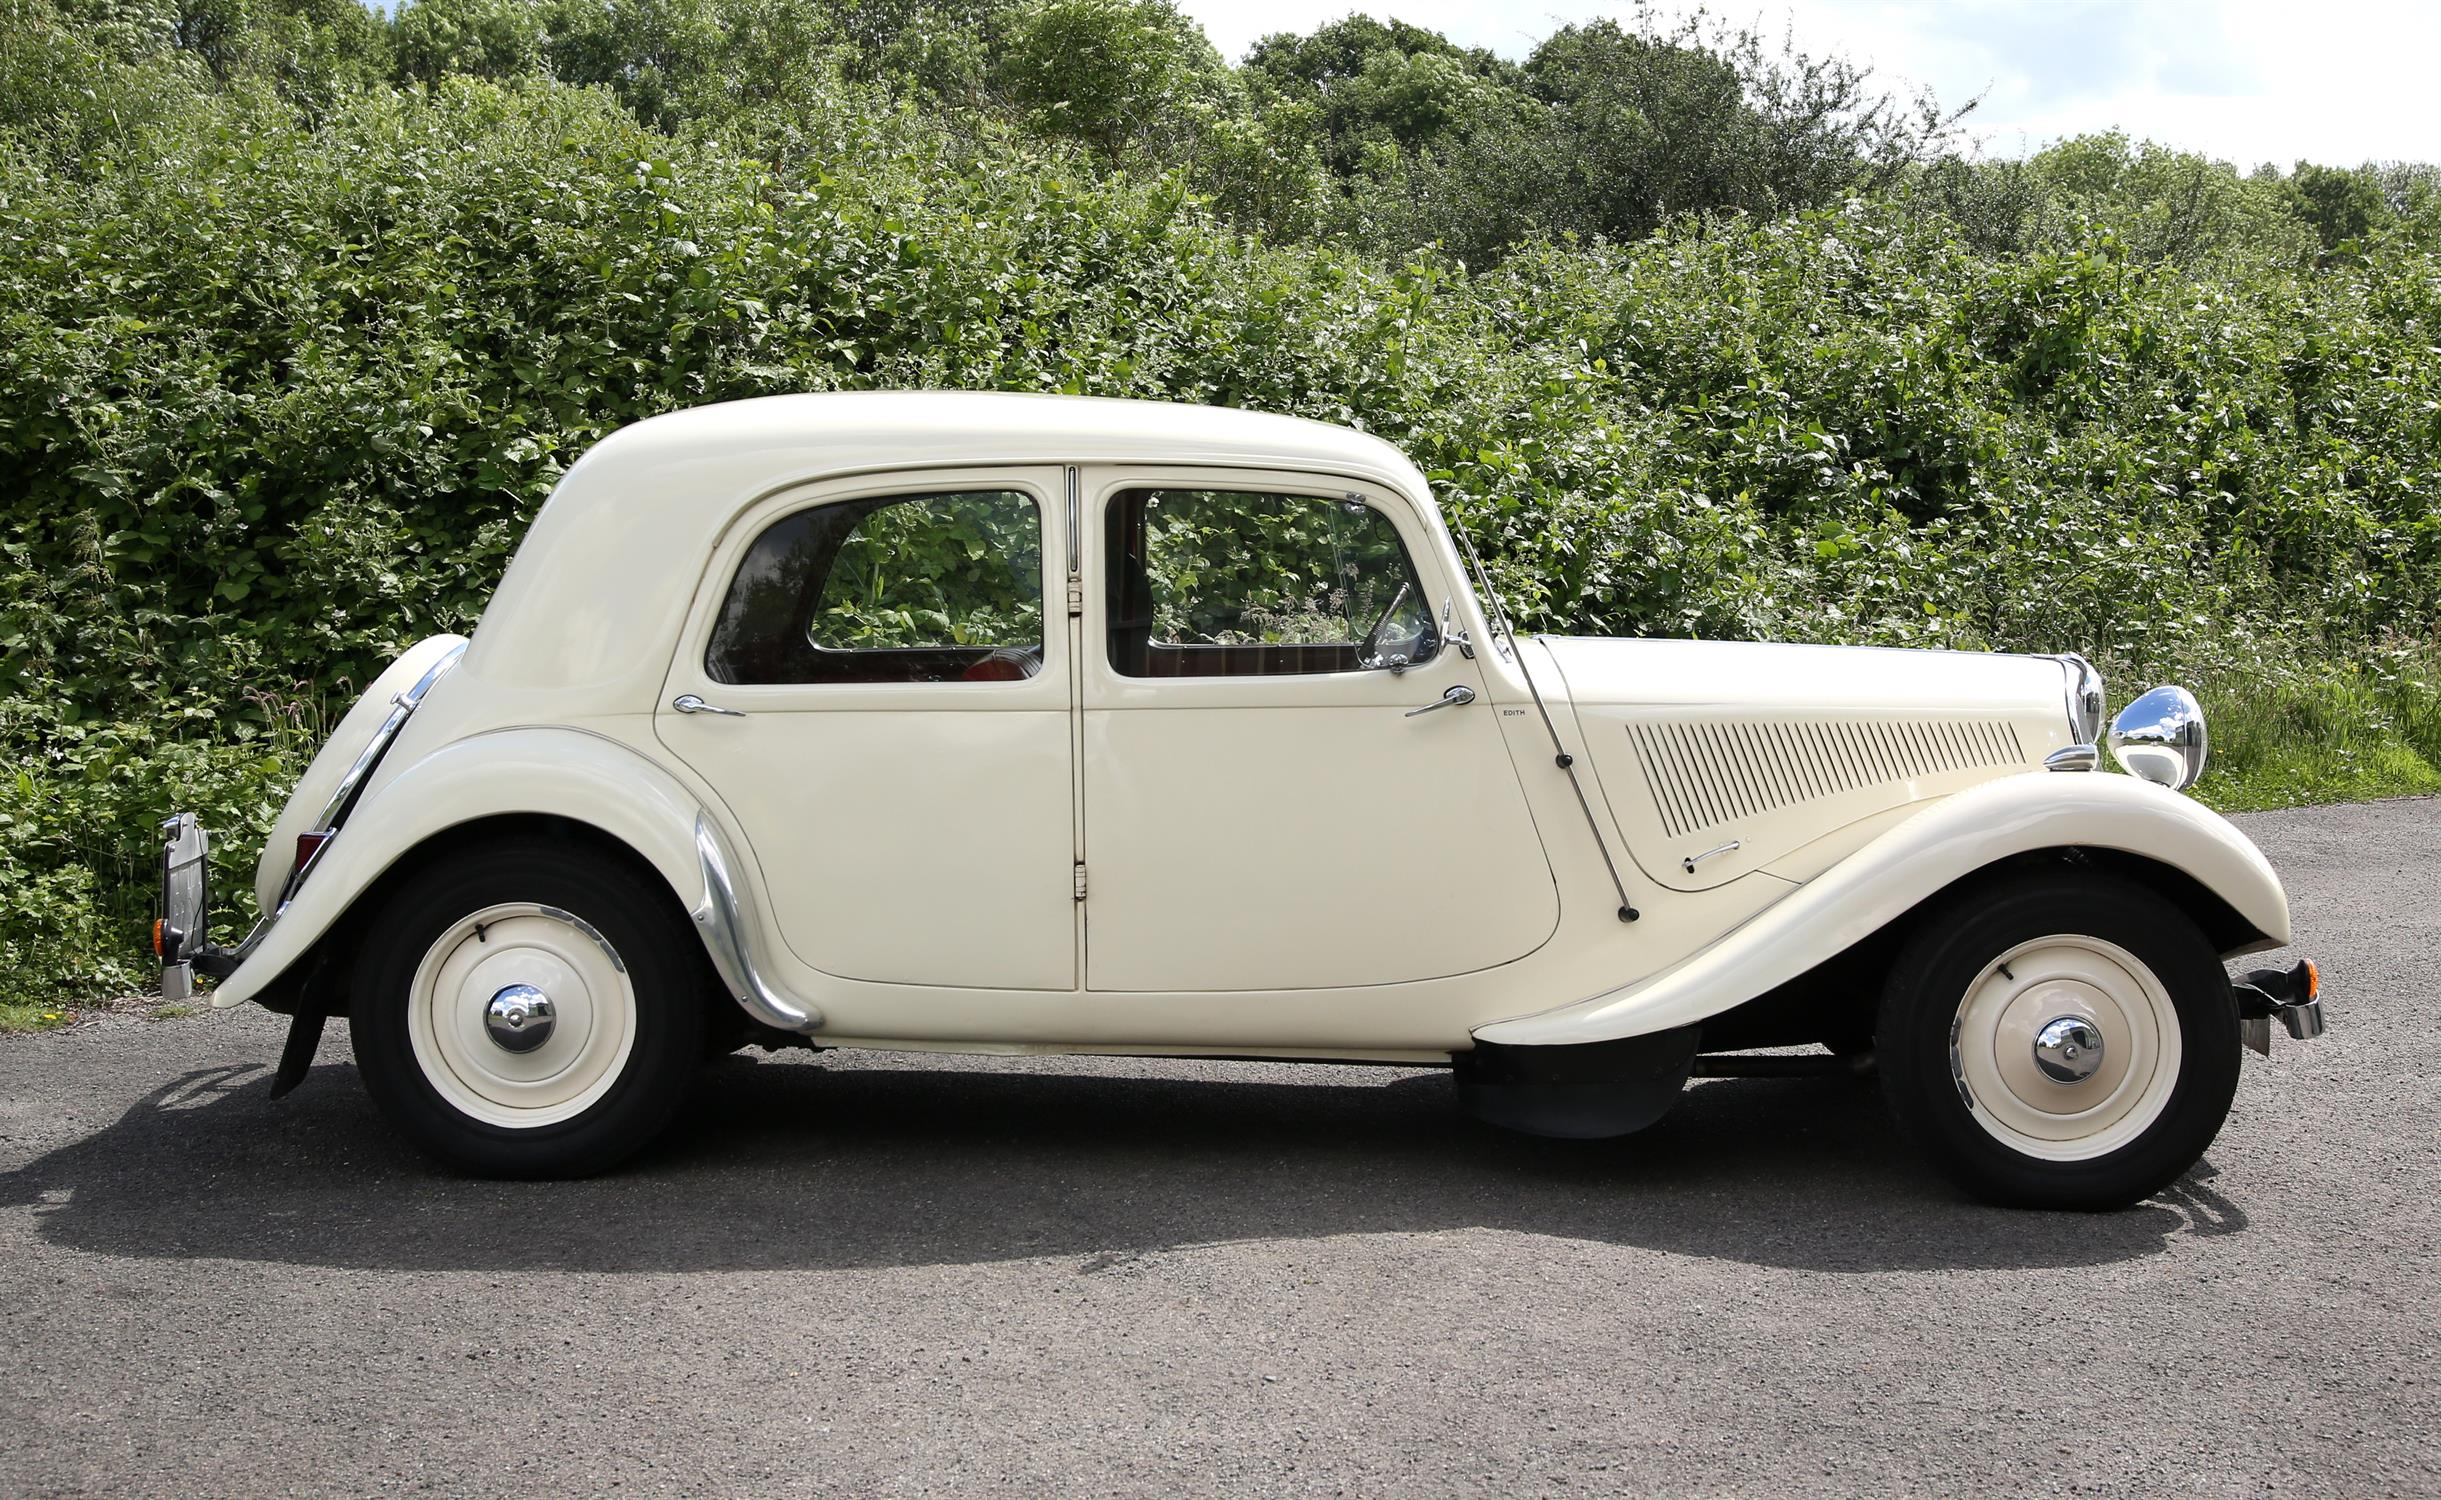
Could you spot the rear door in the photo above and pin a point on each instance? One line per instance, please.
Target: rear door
(1265, 807)
(890, 661)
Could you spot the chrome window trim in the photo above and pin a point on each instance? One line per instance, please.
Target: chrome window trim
(1407, 558)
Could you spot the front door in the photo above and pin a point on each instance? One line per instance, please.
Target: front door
(897, 741)
(1264, 809)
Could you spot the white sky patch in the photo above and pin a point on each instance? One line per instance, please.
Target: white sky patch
(2248, 81)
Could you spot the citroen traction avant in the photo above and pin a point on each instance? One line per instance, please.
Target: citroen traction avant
(1041, 724)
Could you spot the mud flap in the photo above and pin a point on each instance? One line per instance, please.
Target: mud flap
(304, 1039)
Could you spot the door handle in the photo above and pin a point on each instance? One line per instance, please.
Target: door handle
(688, 703)
(1456, 697)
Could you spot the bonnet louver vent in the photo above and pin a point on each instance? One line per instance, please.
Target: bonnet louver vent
(1704, 775)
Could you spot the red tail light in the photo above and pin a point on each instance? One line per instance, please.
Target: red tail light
(309, 845)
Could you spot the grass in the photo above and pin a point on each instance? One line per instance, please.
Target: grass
(15, 1017)
(2350, 734)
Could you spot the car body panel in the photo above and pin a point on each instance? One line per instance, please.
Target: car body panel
(951, 861)
(565, 771)
(1719, 758)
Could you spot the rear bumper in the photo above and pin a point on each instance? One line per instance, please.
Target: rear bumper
(183, 910)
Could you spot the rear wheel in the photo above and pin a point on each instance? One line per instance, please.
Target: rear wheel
(2059, 1040)
(530, 1010)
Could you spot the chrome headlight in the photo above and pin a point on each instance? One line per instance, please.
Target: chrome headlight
(2160, 737)
(2085, 700)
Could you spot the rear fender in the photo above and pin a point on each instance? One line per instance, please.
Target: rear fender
(566, 773)
(1903, 867)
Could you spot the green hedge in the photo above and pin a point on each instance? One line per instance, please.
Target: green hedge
(280, 386)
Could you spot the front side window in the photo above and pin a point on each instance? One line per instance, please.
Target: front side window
(1232, 583)
(898, 588)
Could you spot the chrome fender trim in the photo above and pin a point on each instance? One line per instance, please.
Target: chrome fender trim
(722, 922)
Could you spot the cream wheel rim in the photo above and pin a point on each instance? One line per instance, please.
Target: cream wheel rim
(511, 953)
(2065, 1048)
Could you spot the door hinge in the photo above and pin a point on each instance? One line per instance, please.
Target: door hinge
(1076, 595)
(1080, 880)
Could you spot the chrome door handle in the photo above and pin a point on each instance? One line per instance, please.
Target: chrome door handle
(688, 703)
(1456, 697)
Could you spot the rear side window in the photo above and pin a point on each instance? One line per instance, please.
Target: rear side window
(1235, 583)
(934, 587)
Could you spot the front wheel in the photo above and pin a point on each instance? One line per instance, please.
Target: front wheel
(528, 1010)
(2061, 1039)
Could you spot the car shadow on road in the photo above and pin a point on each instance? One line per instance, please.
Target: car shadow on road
(797, 1165)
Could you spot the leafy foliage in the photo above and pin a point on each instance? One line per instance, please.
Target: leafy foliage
(1234, 568)
(302, 315)
(958, 569)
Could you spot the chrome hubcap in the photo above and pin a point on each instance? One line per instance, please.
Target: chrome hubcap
(520, 1017)
(2068, 1050)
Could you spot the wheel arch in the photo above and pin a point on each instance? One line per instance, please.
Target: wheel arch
(1856, 910)
(559, 784)
(1835, 1000)
(320, 973)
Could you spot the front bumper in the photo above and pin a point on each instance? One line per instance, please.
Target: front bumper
(2293, 995)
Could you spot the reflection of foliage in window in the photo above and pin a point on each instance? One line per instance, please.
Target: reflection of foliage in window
(1231, 568)
(936, 570)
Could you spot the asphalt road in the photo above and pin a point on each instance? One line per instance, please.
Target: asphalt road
(899, 1275)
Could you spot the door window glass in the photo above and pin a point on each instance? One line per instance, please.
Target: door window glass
(1231, 583)
(940, 587)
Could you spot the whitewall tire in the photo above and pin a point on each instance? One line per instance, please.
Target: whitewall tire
(2059, 1038)
(521, 1015)
(532, 1009)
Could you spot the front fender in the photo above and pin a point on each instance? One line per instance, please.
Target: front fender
(1898, 870)
(563, 772)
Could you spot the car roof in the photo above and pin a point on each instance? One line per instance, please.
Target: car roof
(858, 428)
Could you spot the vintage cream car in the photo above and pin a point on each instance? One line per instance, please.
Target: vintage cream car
(1032, 724)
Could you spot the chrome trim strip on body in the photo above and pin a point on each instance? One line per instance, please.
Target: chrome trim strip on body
(343, 798)
(2086, 698)
(721, 920)
(1076, 543)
